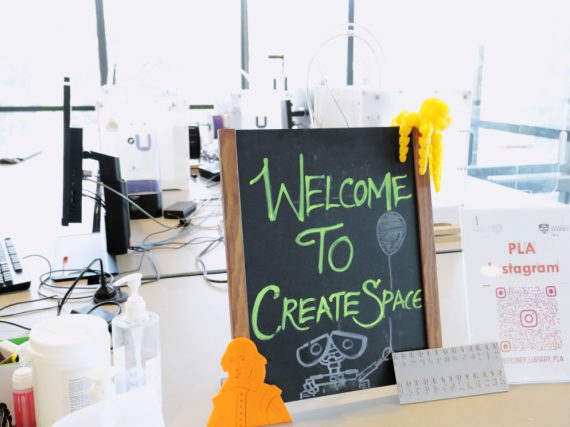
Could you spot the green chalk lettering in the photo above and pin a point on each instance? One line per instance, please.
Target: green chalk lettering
(335, 299)
(312, 191)
(360, 187)
(328, 204)
(321, 232)
(255, 312)
(348, 303)
(408, 298)
(273, 210)
(398, 301)
(387, 297)
(417, 302)
(376, 192)
(365, 288)
(361, 192)
(304, 313)
(345, 182)
(397, 188)
(323, 309)
(338, 241)
(306, 306)
(289, 307)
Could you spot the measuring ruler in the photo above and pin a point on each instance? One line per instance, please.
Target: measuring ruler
(445, 373)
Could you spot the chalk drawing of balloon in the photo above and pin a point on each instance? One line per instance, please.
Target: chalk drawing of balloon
(390, 233)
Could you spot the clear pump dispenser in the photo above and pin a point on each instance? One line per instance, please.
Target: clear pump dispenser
(136, 342)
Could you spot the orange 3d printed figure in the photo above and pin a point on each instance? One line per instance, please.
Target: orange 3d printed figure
(245, 400)
(432, 119)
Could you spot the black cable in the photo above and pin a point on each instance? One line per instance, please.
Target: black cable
(121, 195)
(44, 280)
(57, 297)
(23, 302)
(81, 288)
(102, 303)
(44, 297)
(94, 194)
(98, 200)
(15, 324)
(76, 281)
(34, 310)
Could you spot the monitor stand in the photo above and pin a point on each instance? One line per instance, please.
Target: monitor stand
(80, 250)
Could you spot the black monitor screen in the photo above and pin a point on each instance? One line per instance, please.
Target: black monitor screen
(72, 163)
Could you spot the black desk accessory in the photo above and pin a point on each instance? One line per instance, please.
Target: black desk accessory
(17, 160)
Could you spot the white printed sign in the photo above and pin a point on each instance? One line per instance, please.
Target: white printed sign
(517, 267)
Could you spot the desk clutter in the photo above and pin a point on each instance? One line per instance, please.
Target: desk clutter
(332, 288)
(69, 359)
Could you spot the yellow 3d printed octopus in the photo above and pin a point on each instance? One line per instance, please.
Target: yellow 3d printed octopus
(431, 120)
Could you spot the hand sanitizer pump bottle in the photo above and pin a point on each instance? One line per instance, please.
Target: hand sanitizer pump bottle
(136, 343)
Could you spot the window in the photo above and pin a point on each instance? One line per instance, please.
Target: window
(296, 29)
(189, 48)
(521, 116)
(43, 41)
(512, 55)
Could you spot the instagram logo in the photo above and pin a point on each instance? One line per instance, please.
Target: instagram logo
(500, 292)
(551, 291)
(529, 318)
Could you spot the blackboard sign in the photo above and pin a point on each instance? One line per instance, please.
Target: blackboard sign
(330, 251)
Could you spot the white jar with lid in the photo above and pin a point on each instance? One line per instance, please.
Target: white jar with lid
(63, 351)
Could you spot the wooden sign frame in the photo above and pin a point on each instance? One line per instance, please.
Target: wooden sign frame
(235, 248)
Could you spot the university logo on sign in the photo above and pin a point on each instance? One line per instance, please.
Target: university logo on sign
(543, 228)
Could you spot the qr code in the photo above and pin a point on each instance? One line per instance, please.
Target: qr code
(528, 318)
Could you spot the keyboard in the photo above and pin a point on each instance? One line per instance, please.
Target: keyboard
(12, 277)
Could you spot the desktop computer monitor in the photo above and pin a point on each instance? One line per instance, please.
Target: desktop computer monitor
(72, 163)
(74, 252)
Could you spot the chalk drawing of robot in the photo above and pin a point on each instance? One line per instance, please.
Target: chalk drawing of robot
(331, 350)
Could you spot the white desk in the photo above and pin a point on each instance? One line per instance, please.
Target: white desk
(195, 331)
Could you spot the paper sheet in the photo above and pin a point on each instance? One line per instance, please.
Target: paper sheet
(138, 408)
(517, 270)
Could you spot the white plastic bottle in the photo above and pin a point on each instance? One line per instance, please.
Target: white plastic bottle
(23, 394)
(136, 342)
